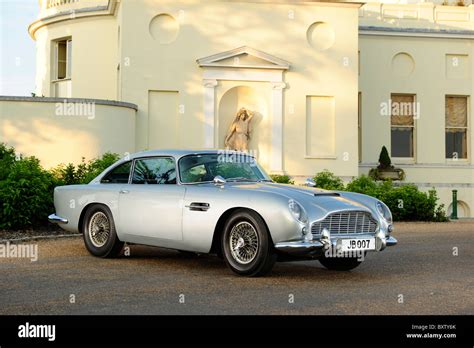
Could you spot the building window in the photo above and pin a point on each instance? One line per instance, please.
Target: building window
(63, 59)
(403, 111)
(456, 127)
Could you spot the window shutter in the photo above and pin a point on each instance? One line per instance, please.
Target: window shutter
(456, 112)
(68, 58)
(56, 60)
(402, 110)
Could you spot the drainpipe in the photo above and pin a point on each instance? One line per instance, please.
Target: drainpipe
(454, 214)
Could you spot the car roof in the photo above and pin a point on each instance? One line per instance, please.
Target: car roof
(177, 154)
(181, 153)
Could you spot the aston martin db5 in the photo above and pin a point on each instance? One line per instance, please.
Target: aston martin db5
(223, 203)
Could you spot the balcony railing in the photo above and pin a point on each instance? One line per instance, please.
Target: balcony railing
(52, 11)
(48, 7)
(417, 16)
(54, 7)
(56, 3)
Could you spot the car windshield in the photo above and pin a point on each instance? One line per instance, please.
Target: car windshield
(232, 167)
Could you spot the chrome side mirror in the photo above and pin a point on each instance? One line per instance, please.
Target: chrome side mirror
(310, 182)
(219, 180)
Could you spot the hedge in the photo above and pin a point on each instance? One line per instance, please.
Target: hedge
(26, 189)
(282, 179)
(406, 202)
(84, 172)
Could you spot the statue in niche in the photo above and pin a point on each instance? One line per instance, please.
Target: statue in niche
(238, 136)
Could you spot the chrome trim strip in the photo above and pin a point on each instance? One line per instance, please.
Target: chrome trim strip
(299, 247)
(303, 248)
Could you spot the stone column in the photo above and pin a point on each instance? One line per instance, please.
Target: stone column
(276, 163)
(209, 112)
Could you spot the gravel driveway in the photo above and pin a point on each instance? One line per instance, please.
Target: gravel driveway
(428, 272)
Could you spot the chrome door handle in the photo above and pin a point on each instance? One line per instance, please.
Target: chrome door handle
(199, 206)
(124, 192)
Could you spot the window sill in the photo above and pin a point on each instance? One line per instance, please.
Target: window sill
(61, 80)
(459, 161)
(320, 157)
(403, 160)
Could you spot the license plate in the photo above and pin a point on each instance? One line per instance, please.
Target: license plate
(357, 244)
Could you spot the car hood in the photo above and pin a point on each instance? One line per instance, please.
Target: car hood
(316, 201)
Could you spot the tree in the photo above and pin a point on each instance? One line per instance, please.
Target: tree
(384, 159)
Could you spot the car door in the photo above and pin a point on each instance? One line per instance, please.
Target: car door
(151, 204)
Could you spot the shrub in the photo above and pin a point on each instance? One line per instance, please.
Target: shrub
(328, 181)
(84, 172)
(385, 167)
(7, 158)
(26, 195)
(384, 159)
(440, 212)
(66, 174)
(98, 165)
(406, 202)
(363, 184)
(282, 179)
(26, 189)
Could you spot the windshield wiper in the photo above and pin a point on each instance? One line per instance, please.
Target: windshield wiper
(240, 179)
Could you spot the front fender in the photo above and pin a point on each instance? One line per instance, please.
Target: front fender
(199, 226)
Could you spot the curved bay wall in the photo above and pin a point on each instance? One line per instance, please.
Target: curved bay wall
(65, 130)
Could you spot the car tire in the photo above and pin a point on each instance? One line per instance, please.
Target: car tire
(99, 232)
(246, 244)
(340, 263)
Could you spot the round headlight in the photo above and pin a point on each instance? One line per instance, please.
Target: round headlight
(384, 211)
(297, 211)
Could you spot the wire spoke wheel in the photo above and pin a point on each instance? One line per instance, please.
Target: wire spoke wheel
(243, 242)
(99, 229)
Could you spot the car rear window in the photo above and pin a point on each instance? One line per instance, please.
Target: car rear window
(118, 175)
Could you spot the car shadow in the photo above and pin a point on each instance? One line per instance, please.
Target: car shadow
(211, 264)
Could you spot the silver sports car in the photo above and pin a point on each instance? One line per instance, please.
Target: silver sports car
(222, 203)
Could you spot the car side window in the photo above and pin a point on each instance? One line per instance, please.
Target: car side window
(118, 175)
(154, 171)
(196, 174)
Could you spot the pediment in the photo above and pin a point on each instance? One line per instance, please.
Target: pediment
(244, 57)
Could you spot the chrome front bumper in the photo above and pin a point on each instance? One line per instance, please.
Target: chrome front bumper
(316, 247)
(57, 219)
(391, 241)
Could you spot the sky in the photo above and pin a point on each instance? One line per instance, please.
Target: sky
(17, 48)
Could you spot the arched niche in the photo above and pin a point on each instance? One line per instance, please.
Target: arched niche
(255, 100)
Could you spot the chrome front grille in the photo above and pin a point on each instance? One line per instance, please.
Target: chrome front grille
(347, 222)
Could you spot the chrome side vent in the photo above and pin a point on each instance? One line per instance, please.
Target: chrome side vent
(199, 206)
